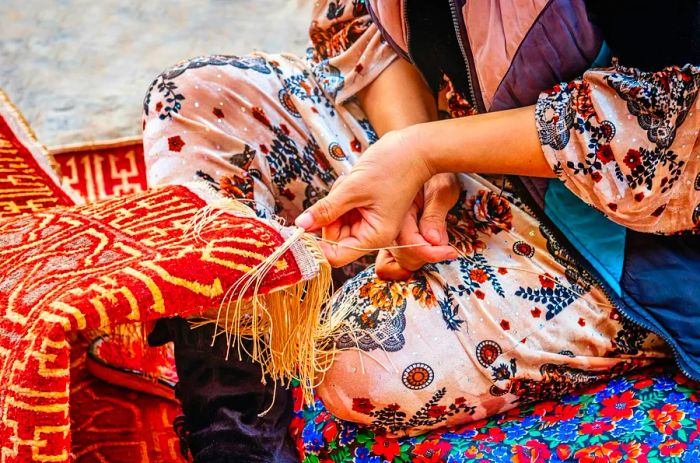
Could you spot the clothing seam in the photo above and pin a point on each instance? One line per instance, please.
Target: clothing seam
(517, 52)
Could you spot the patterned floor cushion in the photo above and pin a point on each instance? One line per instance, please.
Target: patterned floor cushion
(648, 416)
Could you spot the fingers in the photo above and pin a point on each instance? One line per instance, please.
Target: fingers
(343, 251)
(339, 200)
(387, 268)
(421, 251)
(338, 248)
(441, 194)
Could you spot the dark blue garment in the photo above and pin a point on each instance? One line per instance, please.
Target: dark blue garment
(221, 400)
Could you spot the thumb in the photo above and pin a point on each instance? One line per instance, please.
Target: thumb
(432, 223)
(329, 209)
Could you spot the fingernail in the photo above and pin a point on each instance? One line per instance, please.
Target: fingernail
(304, 221)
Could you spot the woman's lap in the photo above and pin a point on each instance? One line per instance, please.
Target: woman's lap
(505, 324)
(511, 321)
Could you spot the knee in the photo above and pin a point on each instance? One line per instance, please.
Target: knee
(189, 85)
(191, 112)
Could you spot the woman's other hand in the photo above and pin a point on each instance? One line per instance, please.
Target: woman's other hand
(424, 228)
(367, 208)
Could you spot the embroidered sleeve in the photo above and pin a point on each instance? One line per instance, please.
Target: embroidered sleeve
(626, 142)
(347, 49)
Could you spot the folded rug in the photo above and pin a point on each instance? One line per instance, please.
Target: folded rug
(179, 250)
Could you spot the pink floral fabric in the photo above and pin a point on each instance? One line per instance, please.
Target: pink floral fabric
(626, 142)
(514, 320)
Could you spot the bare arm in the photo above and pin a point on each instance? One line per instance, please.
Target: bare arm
(398, 98)
(503, 142)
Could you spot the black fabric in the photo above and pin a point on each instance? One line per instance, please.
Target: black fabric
(221, 400)
(661, 282)
(649, 34)
(433, 45)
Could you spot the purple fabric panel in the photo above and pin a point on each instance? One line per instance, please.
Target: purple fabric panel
(560, 46)
(537, 187)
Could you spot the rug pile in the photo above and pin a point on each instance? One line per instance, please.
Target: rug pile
(73, 271)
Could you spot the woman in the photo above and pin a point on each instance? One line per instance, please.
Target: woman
(494, 290)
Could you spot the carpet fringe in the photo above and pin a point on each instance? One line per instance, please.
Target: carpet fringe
(289, 334)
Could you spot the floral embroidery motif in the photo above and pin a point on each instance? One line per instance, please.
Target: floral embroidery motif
(522, 248)
(475, 271)
(575, 273)
(660, 100)
(486, 213)
(393, 419)
(175, 143)
(417, 376)
(556, 116)
(330, 78)
(287, 164)
(630, 338)
(644, 164)
(329, 41)
(503, 371)
(449, 310)
(244, 160)
(487, 352)
(299, 86)
(379, 319)
(168, 91)
(558, 380)
(552, 294)
(336, 152)
(287, 102)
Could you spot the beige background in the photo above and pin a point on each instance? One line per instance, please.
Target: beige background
(78, 69)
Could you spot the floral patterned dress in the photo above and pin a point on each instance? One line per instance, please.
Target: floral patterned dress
(515, 319)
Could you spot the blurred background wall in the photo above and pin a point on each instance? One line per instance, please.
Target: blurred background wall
(78, 69)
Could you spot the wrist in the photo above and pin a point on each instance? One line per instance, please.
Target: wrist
(416, 139)
(398, 151)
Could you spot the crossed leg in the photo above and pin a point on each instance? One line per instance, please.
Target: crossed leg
(513, 320)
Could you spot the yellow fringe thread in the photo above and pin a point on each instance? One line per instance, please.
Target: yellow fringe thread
(289, 335)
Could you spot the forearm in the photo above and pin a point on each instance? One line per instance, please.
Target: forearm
(398, 98)
(503, 142)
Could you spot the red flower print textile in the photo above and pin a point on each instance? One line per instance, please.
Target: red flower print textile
(637, 418)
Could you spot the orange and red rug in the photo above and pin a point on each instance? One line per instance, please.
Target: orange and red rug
(109, 423)
(103, 170)
(71, 272)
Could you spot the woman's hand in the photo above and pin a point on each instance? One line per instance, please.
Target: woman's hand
(424, 226)
(367, 208)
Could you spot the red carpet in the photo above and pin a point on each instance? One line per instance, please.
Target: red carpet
(113, 424)
(104, 170)
(71, 271)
